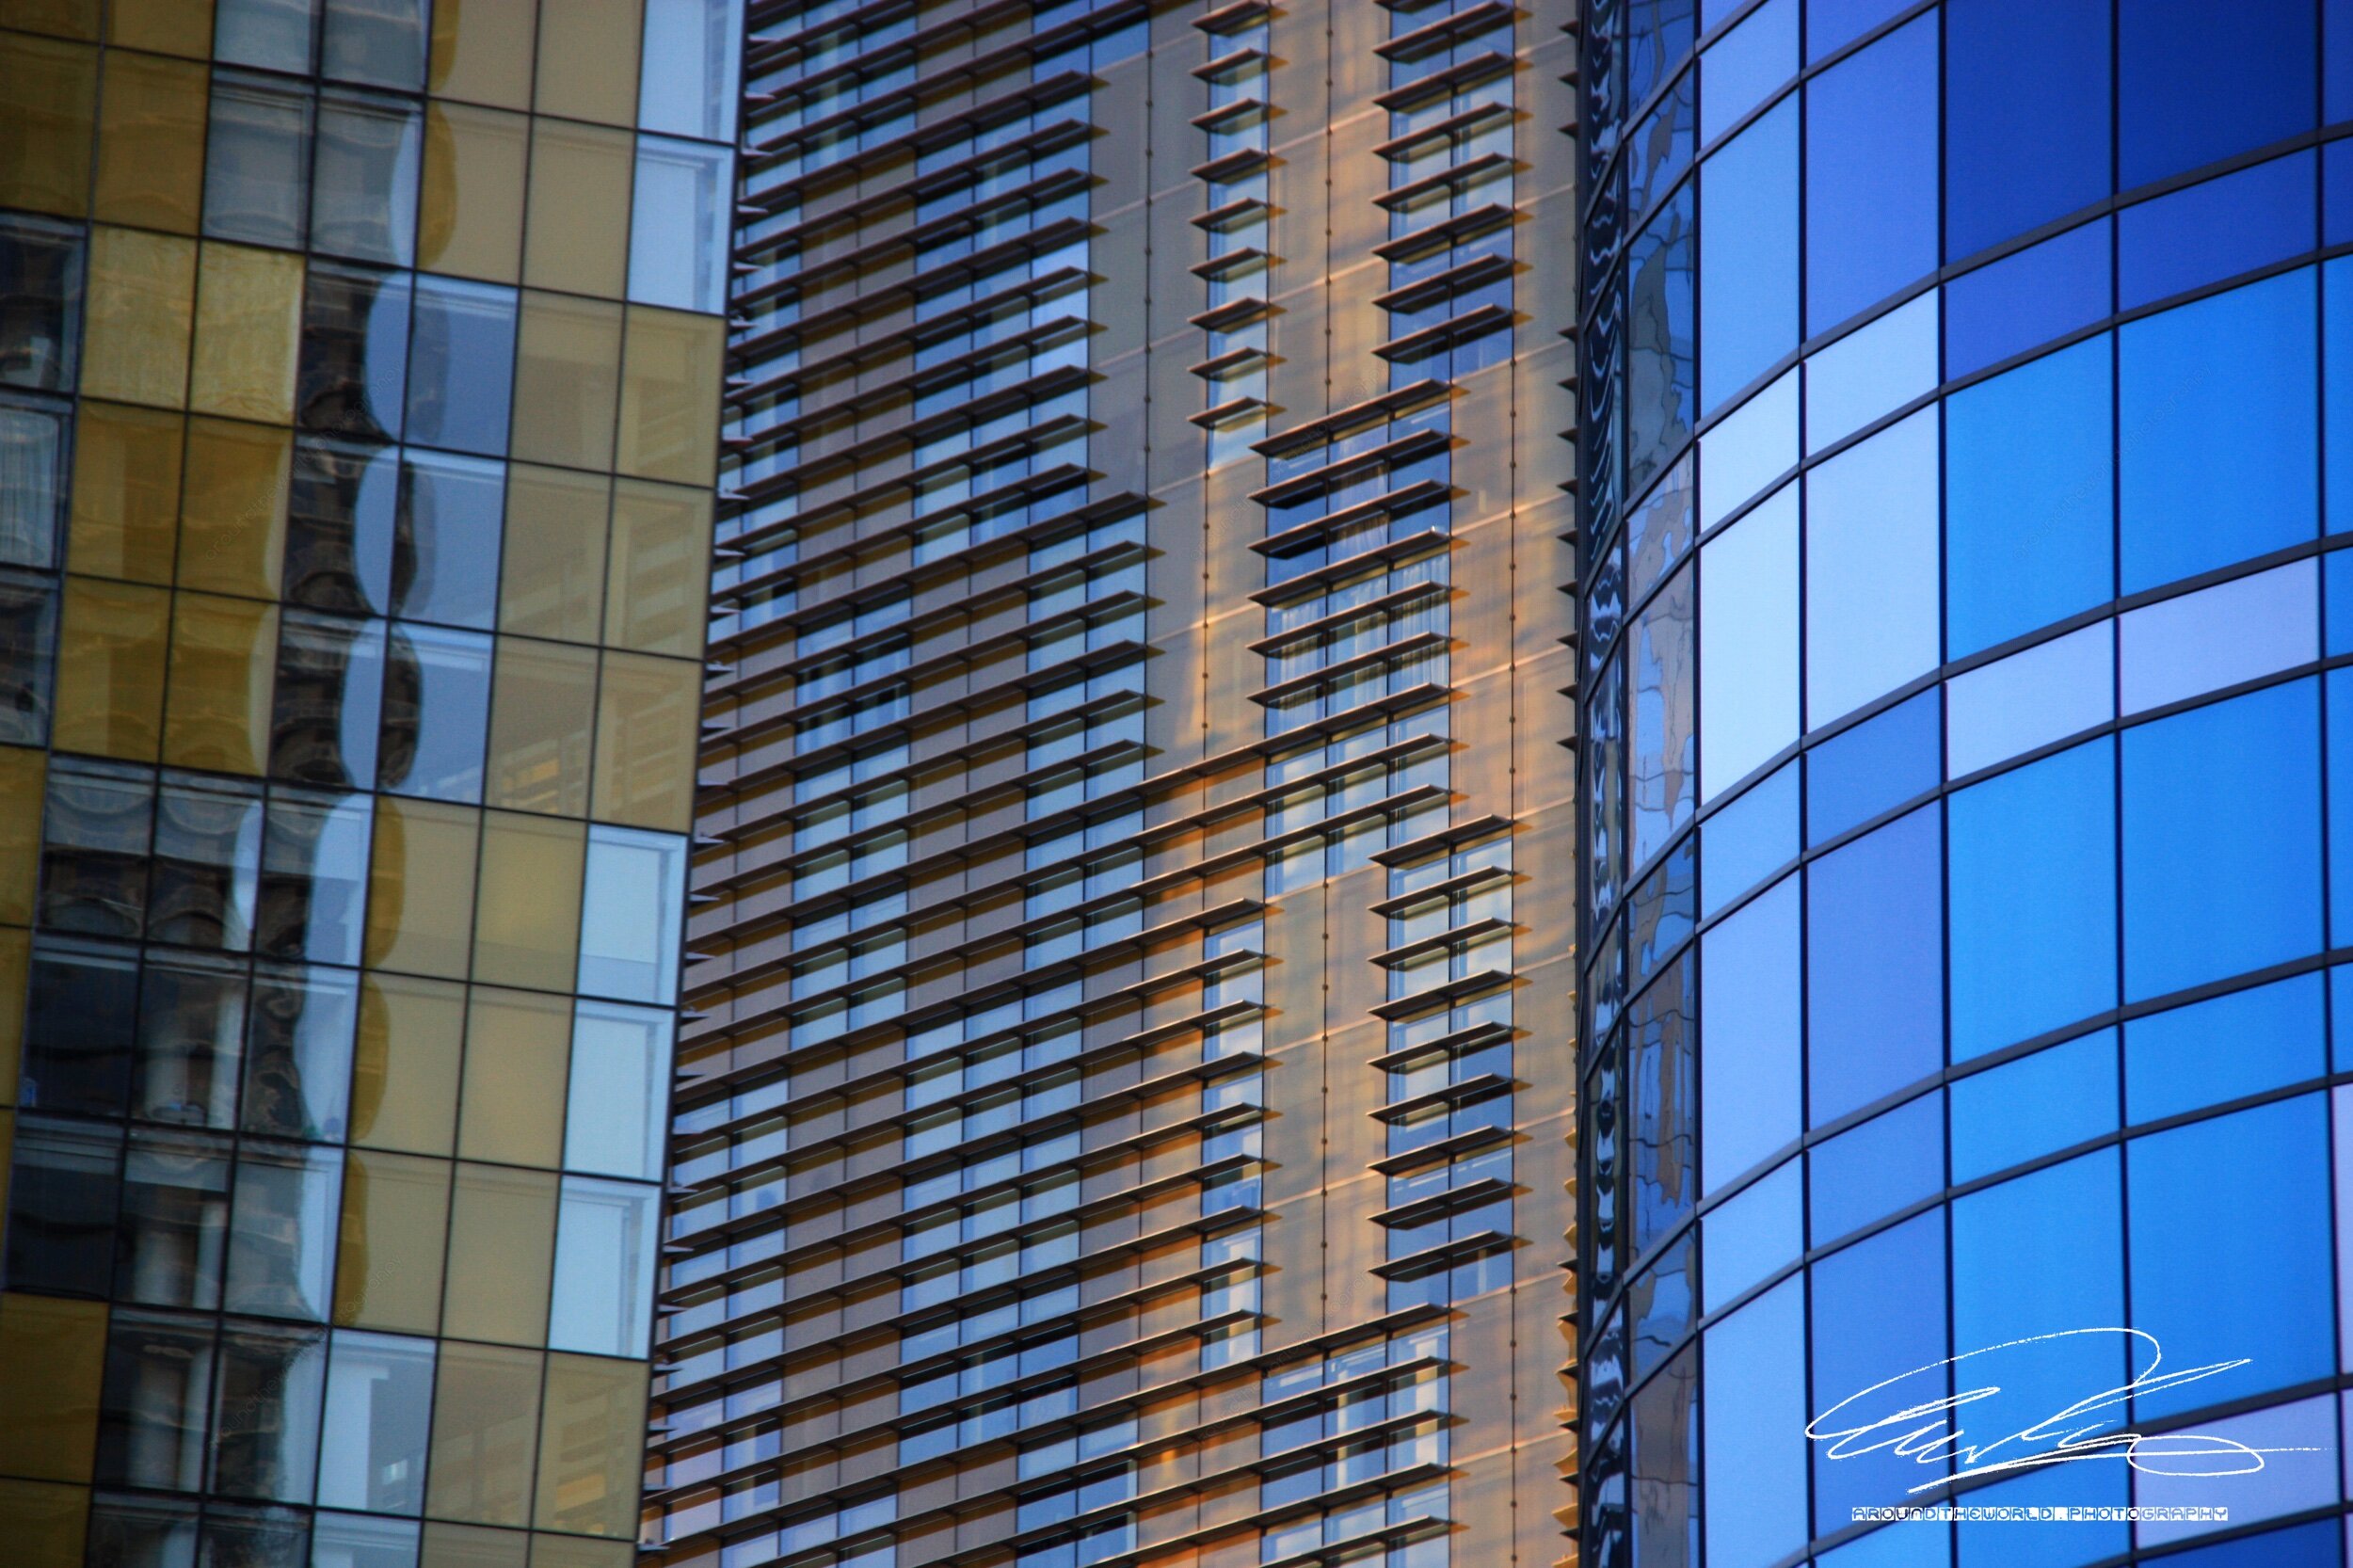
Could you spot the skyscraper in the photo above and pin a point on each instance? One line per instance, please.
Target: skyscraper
(1127, 1114)
(1964, 444)
(360, 364)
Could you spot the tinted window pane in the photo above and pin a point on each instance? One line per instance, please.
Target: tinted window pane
(2221, 840)
(2212, 230)
(445, 550)
(437, 700)
(1748, 643)
(2042, 293)
(2031, 1258)
(604, 1247)
(461, 363)
(2027, 112)
(1662, 776)
(687, 80)
(1872, 568)
(175, 1220)
(355, 353)
(1661, 373)
(2029, 488)
(379, 1396)
(297, 1079)
(257, 161)
(78, 1028)
(2253, 83)
(265, 1430)
(382, 43)
(2242, 1044)
(1873, 768)
(1756, 1415)
(1870, 193)
(272, 34)
(678, 252)
(2218, 433)
(339, 536)
(191, 1039)
(331, 679)
(41, 302)
(1749, 255)
(632, 914)
(2214, 1277)
(2033, 897)
(2035, 1105)
(1874, 967)
(1878, 1309)
(314, 870)
(1750, 1021)
(281, 1246)
(619, 1081)
(62, 1194)
(364, 194)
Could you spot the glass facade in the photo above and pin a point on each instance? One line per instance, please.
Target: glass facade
(360, 366)
(1962, 489)
(1132, 828)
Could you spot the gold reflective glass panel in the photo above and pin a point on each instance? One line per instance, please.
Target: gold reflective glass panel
(388, 1269)
(486, 1438)
(517, 1055)
(576, 236)
(224, 653)
(661, 567)
(232, 518)
(670, 364)
(568, 362)
(248, 326)
(111, 645)
(527, 916)
(589, 1443)
(403, 1073)
(543, 708)
(420, 888)
(48, 100)
(471, 223)
(595, 75)
(482, 51)
(551, 576)
(53, 1354)
(127, 491)
(502, 1253)
(649, 716)
(139, 308)
(151, 142)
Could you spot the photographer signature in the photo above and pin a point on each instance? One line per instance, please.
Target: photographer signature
(1926, 1433)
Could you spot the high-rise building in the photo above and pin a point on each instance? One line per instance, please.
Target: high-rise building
(1127, 1116)
(359, 367)
(1965, 736)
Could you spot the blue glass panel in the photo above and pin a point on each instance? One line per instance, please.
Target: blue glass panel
(1748, 643)
(2026, 99)
(1658, 33)
(2212, 230)
(2033, 890)
(1741, 68)
(1875, 966)
(2337, 590)
(1754, 1419)
(2340, 1018)
(2221, 840)
(1750, 1021)
(1830, 23)
(1873, 767)
(2044, 292)
(2242, 1044)
(2000, 1544)
(1662, 779)
(2034, 1106)
(1754, 445)
(1915, 1544)
(1660, 370)
(461, 362)
(2237, 630)
(2045, 692)
(2216, 1276)
(2028, 492)
(1894, 1159)
(1755, 836)
(2311, 1546)
(2336, 191)
(2220, 455)
(1661, 148)
(1749, 255)
(1660, 1062)
(1748, 1238)
(1878, 1310)
(1870, 175)
(2040, 1256)
(1871, 372)
(2341, 803)
(1872, 568)
(2337, 286)
(2336, 26)
(2253, 82)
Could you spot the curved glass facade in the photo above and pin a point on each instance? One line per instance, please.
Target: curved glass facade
(1967, 736)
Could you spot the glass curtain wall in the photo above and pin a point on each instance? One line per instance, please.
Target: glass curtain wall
(1964, 746)
(358, 388)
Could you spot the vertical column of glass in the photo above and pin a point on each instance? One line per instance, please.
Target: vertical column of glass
(374, 468)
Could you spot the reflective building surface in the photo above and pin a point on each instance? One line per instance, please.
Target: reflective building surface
(1968, 768)
(360, 364)
(1124, 1120)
